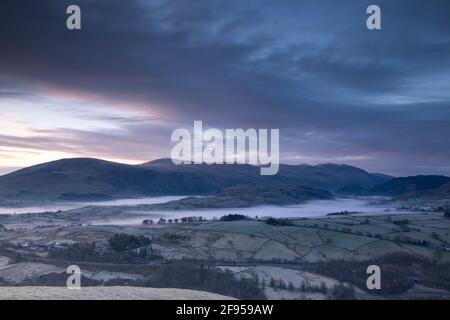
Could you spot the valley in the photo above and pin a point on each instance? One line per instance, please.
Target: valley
(286, 261)
(249, 239)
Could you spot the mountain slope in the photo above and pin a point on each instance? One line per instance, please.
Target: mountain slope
(415, 186)
(324, 176)
(93, 179)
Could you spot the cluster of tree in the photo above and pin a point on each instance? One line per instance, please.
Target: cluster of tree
(76, 252)
(192, 219)
(338, 292)
(124, 242)
(342, 292)
(304, 287)
(307, 287)
(402, 224)
(343, 213)
(395, 273)
(187, 276)
(279, 222)
(280, 284)
(399, 272)
(447, 214)
(444, 208)
(234, 217)
(408, 240)
(123, 249)
(175, 220)
(164, 221)
(174, 238)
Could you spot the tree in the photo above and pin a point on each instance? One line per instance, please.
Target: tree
(323, 287)
(272, 282)
(343, 292)
(290, 286)
(303, 287)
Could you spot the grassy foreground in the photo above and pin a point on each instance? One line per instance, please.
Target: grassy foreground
(104, 293)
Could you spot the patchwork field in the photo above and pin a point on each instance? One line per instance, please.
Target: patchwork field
(307, 240)
(250, 249)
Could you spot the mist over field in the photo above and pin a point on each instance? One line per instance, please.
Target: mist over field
(315, 208)
(52, 206)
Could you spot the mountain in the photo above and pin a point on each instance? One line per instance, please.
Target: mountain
(331, 177)
(328, 176)
(93, 179)
(383, 176)
(443, 191)
(416, 186)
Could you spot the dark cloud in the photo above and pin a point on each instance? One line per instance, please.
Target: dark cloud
(377, 99)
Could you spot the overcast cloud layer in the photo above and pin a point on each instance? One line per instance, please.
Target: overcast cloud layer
(340, 93)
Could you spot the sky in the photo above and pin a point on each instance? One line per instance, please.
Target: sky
(338, 92)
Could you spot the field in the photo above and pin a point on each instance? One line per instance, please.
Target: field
(286, 261)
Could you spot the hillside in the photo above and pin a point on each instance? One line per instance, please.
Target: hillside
(93, 179)
(416, 186)
(247, 196)
(442, 191)
(104, 293)
(323, 176)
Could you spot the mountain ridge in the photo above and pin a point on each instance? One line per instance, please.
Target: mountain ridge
(419, 186)
(90, 179)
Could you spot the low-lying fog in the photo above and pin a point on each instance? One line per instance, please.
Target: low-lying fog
(314, 208)
(56, 206)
